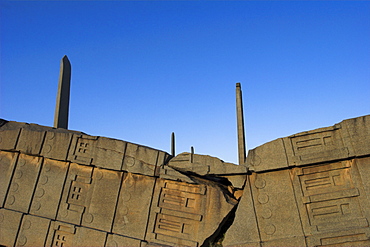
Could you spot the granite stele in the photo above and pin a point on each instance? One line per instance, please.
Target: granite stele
(60, 187)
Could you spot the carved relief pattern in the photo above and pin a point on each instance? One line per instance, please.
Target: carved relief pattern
(180, 213)
(83, 150)
(318, 146)
(62, 239)
(330, 197)
(70, 189)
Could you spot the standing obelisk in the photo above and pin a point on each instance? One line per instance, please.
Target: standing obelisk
(173, 144)
(240, 125)
(62, 105)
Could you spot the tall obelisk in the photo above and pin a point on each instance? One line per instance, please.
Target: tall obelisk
(240, 125)
(62, 105)
(173, 144)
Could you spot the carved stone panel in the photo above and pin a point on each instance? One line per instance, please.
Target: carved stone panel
(115, 240)
(63, 235)
(133, 207)
(353, 237)
(23, 183)
(7, 165)
(9, 224)
(97, 151)
(30, 141)
(75, 193)
(56, 145)
(9, 135)
(49, 188)
(269, 156)
(275, 205)
(330, 198)
(109, 149)
(177, 213)
(142, 160)
(33, 231)
(82, 149)
(316, 146)
(358, 134)
(102, 199)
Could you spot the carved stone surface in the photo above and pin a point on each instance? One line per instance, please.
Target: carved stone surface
(132, 211)
(66, 188)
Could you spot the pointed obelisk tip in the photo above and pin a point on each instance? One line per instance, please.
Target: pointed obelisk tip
(238, 84)
(65, 59)
(62, 102)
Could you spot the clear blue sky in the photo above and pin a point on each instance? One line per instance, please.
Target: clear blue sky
(142, 69)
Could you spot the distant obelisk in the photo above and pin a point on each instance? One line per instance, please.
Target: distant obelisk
(240, 125)
(173, 144)
(62, 105)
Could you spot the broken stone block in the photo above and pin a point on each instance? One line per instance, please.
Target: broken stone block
(167, 172)
(237, 181)
(274, 203)
(204, 165)
(185, 214)
(244, 230)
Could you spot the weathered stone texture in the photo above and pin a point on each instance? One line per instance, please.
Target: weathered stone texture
(23, 183)
(66, 188)
(185, 214)
(132, 210)
(114, 240)
(56, 145)
(33, 231)
(9, 225)
(350, 138)
(7, 166)
(49, 188)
